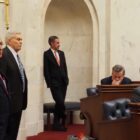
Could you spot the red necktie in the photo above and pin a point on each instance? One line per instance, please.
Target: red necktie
(56, 57)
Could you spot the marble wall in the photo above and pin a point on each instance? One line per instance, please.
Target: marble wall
(74, 28)
(94, 34)
(125, 34)
(73, 23)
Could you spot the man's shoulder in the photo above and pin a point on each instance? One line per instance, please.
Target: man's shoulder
(47, 52)
(5, 54)
(60, 51)
(5, 49)
(127, 80)
(106, 80)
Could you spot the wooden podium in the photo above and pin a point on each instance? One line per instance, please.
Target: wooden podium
(97, 126)
(135, 110)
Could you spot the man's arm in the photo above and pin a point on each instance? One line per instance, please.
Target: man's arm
(46, 70)
(3, 65)
(106, 81)
(65, 67)
(115, 83)
(126, 81)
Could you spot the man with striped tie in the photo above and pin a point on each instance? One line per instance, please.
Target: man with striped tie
(12, 67)
(4, 102)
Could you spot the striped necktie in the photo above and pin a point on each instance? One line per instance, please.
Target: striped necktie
(21, 69)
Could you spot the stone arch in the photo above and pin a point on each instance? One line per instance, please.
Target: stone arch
(76, 23)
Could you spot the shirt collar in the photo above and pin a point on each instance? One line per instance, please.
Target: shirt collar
(53, 50)
(12, 50)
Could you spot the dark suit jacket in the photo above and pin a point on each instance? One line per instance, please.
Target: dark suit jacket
(54, 74)
(10, 68)
(4, 98)
(108, 81)
(4, 106)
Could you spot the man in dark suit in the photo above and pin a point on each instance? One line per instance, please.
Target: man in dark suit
(11, 66)
(117, 78)
(56, 77)
(4, 103)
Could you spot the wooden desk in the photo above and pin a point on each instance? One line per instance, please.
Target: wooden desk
(96, 124)
(109, 92)
(135, 110)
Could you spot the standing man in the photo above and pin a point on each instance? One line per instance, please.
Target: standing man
(12, 67)
(56, 77)
(4, 103)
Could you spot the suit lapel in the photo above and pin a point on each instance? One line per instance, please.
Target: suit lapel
(11, 57)
(12, 60)
(60, 56)
(52, 56)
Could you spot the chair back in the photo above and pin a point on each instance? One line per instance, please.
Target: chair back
(92, 91)
(116, 109)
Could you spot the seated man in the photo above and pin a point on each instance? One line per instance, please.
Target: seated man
(117, 77)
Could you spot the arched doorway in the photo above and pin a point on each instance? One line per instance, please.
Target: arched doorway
(71, 21)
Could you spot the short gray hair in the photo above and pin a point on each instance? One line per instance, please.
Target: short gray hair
(118, 68)
(10, 35)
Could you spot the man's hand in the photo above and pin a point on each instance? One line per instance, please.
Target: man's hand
(114, 82)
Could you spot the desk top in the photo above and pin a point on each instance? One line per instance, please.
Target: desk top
(135, 104)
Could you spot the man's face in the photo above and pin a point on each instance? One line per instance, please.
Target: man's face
(117, 76)
(1, 48)
(55, 44)
(16, 42)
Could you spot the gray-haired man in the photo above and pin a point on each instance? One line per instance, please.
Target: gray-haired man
(117, 77)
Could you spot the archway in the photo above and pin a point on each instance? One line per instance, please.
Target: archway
(71, 21)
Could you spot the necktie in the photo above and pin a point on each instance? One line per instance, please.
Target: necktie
(57, 58)
(21, 69)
